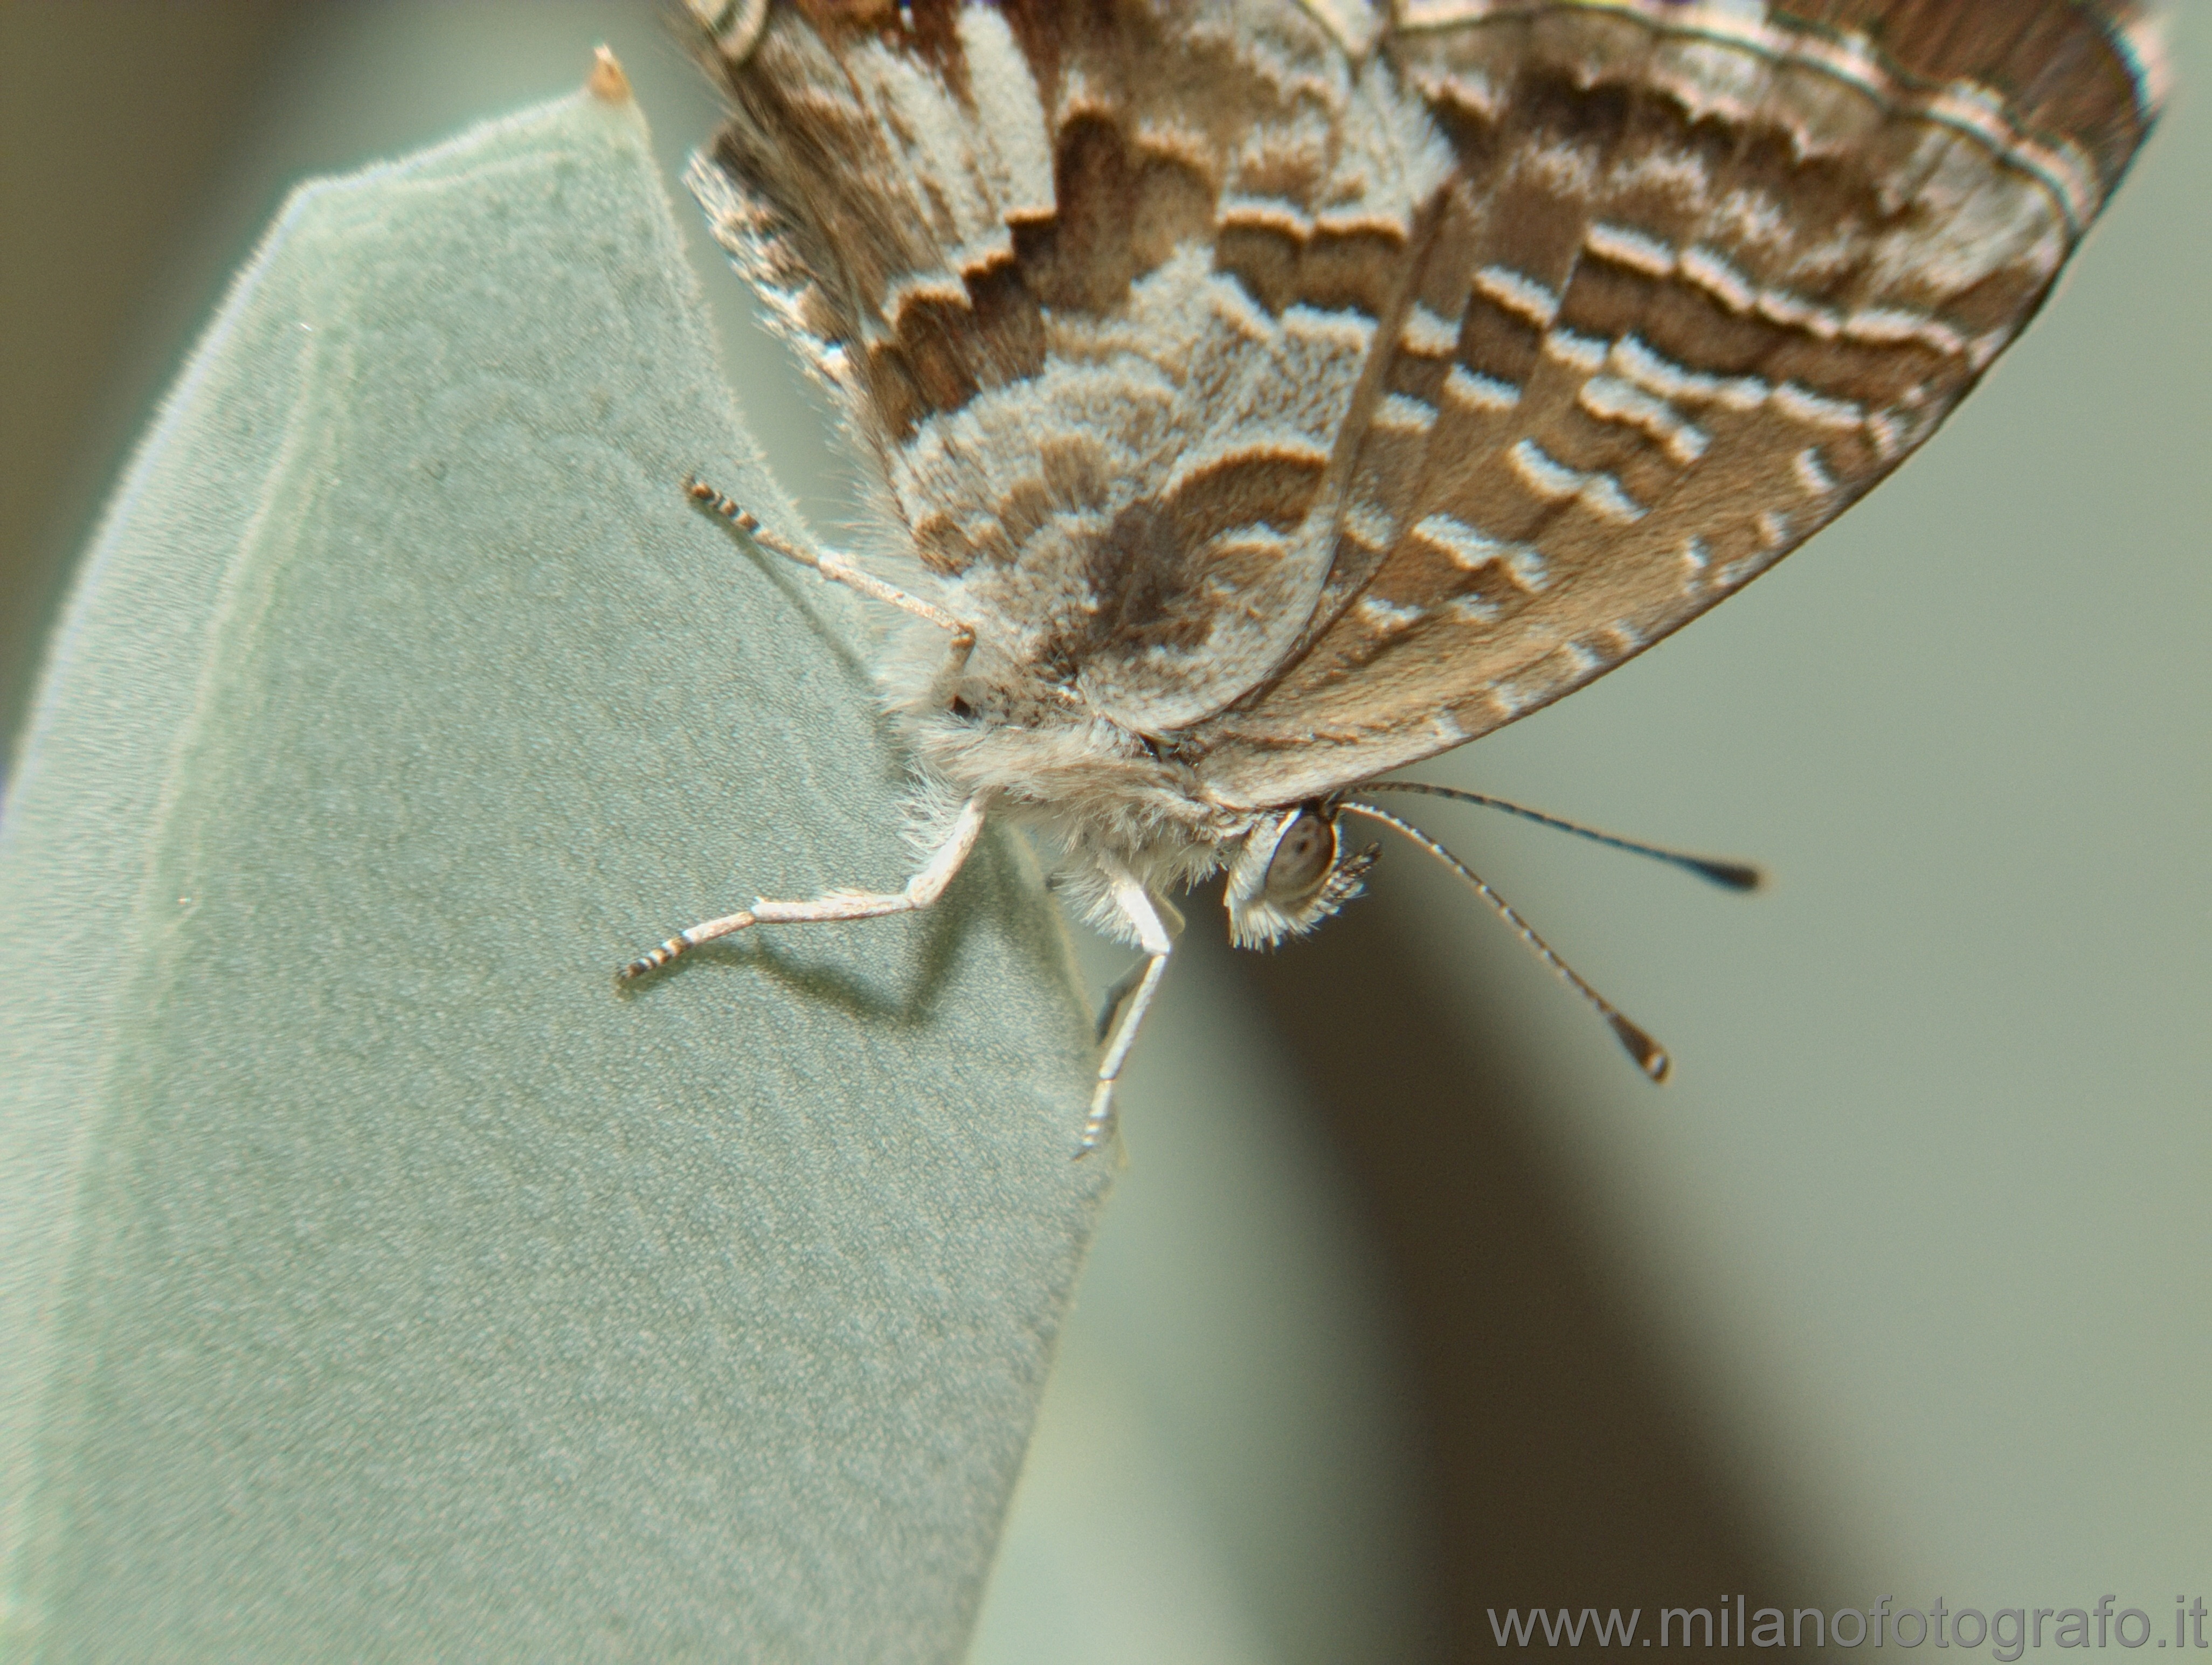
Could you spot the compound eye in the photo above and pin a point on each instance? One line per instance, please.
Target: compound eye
(1303, 859)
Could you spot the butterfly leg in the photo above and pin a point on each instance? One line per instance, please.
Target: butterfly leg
(833, 566)
(1110, 1007)
(1125, 1005)
(923, 889)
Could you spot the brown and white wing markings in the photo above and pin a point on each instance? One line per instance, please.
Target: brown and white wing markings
(1704, 274)
(1101, 284)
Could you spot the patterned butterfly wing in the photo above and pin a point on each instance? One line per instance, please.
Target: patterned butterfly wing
(1704, 272)
(993, 230)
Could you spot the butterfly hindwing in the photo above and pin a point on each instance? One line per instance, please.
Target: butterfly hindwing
(1099, 285)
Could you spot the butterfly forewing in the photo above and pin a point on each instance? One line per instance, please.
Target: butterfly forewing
(1704, 275)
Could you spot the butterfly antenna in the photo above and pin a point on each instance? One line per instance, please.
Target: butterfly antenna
(1651, 1057)
(1729, 875)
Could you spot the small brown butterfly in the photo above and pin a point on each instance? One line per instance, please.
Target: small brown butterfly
(1266, 395)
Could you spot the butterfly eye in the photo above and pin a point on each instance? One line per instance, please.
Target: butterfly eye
(1303, 859)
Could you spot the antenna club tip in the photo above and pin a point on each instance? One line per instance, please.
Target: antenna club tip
(1651, 1057)
(1735, 875)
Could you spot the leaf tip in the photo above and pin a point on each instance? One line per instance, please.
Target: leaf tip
(607, 82)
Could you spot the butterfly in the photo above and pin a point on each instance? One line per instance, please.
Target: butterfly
(1265, 395)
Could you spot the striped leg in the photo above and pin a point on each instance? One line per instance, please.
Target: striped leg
(833, 566)
(1125, 1005)
(923, 889)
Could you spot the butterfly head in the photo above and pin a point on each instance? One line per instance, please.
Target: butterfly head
(1290, 873)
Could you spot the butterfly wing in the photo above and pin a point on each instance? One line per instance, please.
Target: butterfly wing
(993, 230)
(1704, 272)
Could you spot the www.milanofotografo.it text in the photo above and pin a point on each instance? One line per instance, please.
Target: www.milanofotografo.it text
(2007, 1632)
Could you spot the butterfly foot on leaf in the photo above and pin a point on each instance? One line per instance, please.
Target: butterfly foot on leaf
(646, 964)
(682, 942)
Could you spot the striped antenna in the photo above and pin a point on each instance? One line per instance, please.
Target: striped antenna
(1729, 874)
(1651, 1057)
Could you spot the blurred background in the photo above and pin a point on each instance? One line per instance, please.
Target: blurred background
(1416, 1304)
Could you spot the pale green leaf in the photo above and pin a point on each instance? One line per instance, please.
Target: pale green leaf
(379, 1281)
